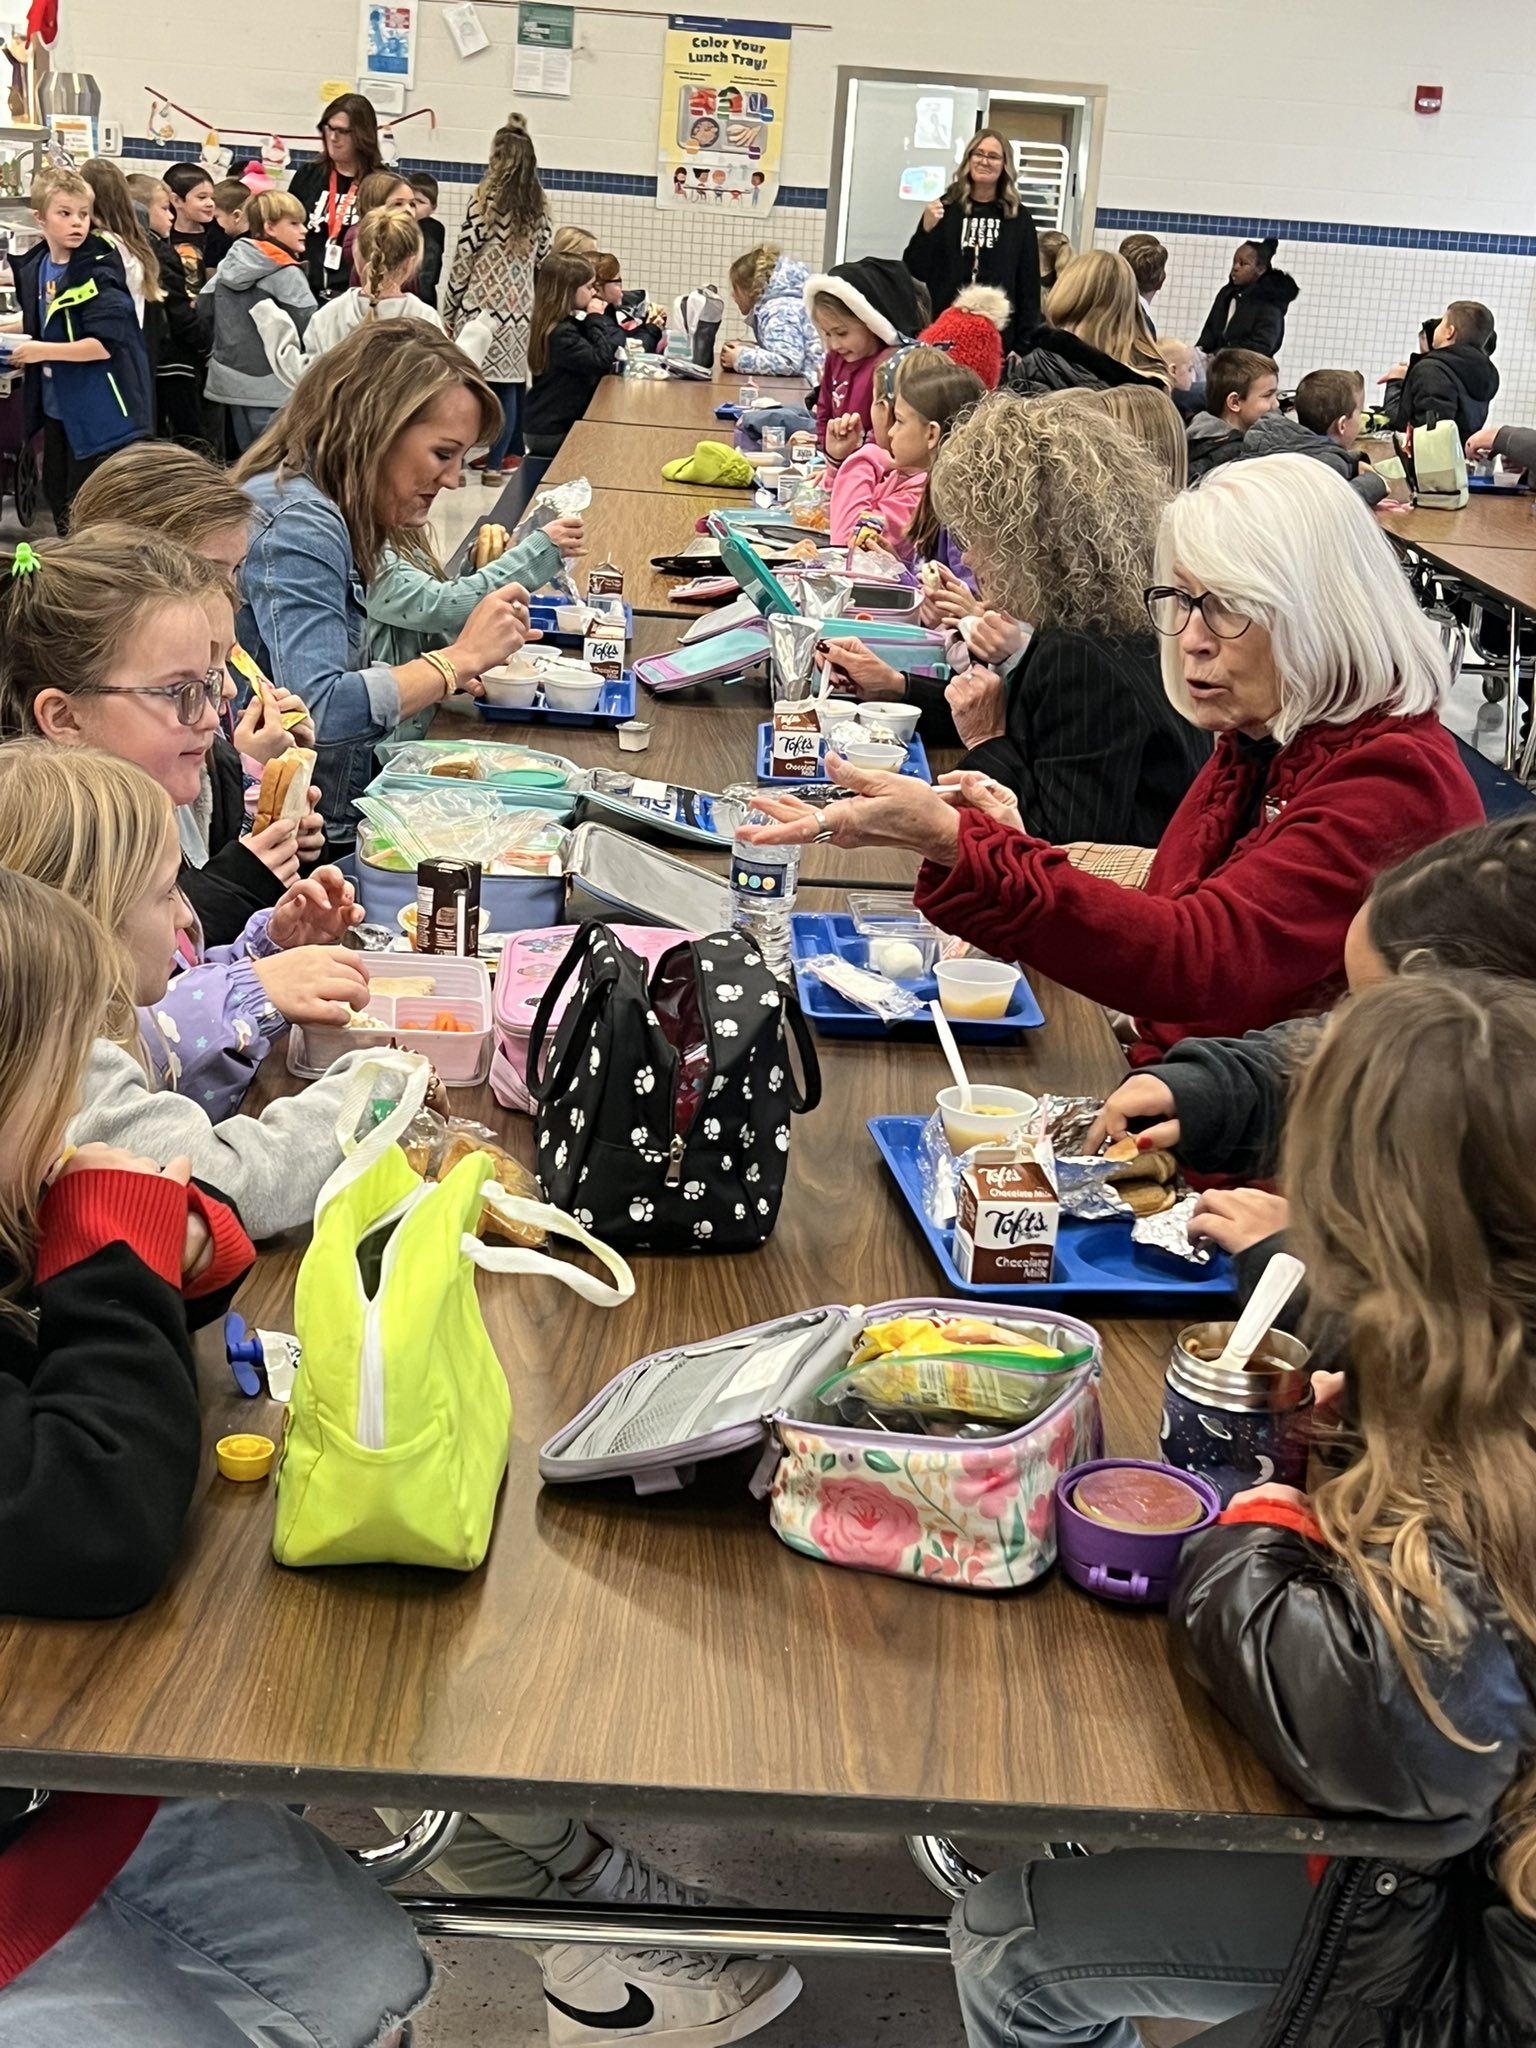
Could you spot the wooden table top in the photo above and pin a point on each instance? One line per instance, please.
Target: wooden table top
(683, 402)
(629, 527)
(1489, 519)
(630, 459)
(1508, 573)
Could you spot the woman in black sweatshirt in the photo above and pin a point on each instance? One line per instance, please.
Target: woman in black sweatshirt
(981, 232)
(571, 349)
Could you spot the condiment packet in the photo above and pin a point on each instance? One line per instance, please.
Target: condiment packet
(866, 991)
(1169, 1232)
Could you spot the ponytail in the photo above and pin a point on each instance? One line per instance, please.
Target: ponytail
(389, 244)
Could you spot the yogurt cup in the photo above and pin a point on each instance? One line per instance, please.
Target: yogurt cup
(976, 990)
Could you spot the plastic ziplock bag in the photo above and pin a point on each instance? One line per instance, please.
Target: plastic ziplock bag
(865, 989)
(458, 823)
(961, 1366)
(495, 763)
(555, 501)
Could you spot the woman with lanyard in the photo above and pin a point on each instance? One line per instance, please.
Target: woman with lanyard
(326, 188)
(981, 232)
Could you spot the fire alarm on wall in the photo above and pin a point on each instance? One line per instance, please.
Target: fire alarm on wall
(1428, 99)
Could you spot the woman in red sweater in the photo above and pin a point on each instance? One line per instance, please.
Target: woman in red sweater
(1289, 631)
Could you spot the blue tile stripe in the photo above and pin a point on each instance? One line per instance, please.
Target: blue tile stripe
(1238, 228)
(616, 184)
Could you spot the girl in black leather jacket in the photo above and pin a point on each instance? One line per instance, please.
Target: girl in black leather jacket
(1375, 1642)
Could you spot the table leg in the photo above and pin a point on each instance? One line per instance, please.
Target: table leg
(1512, 700)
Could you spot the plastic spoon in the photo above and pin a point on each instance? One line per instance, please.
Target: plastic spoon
(1277, 1283)
(957, 1065)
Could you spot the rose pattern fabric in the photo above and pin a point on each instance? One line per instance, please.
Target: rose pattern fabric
(981, 1517)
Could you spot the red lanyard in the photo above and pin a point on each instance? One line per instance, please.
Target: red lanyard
(336, 215)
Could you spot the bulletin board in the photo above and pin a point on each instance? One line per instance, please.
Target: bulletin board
(721, 134)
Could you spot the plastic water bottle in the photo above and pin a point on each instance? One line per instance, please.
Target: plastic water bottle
(763, 880)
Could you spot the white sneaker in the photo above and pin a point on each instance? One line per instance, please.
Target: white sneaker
(599, 1995)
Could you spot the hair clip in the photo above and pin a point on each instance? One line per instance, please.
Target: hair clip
(25, 561)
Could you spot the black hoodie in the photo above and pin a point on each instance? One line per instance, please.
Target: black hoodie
(1456, 383)
(1250, 315)
(1056, 360)
(984, 246)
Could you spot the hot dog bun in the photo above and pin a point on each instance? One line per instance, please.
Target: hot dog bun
(284, 793)
(491, 543)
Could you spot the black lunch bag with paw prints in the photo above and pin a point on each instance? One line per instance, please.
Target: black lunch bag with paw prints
(664, 1106)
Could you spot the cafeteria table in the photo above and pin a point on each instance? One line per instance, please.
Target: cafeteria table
(631, 458)
(686, 402)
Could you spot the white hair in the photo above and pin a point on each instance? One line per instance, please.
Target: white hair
(1284, 541)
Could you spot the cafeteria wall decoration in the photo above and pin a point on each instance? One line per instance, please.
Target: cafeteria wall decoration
(723, 91)
(386, 42)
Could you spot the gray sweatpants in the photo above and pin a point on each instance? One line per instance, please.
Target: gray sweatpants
(519, 1855)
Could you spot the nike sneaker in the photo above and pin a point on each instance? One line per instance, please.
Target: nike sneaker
(601, 1995)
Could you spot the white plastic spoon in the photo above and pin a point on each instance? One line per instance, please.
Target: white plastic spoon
(1277, 1283)
(952, 1054)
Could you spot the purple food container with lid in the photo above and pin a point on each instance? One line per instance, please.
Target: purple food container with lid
(1130, 1565)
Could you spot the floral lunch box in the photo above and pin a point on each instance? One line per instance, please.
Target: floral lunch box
(977, 1513)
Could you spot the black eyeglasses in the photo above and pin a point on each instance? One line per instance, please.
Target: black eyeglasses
(1170, 609)
(188, 700)
(331, 128)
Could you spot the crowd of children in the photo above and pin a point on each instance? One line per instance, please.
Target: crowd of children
(1374, 1638)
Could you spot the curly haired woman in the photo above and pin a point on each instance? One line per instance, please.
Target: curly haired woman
(1058, 511)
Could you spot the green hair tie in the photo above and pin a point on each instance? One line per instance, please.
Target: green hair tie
(25, 561)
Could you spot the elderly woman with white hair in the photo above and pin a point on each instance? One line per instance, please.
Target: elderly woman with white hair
(1289, 632)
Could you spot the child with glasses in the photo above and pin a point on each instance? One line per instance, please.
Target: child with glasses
(141, 629)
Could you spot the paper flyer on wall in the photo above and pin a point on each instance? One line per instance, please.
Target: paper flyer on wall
(386, 41)
(546, 37)
(724, 85)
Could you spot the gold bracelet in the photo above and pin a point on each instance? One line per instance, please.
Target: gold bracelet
(446, 670)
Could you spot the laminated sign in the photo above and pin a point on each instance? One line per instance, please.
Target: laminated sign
(723, 90)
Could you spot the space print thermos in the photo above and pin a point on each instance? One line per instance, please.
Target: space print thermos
(1237, 1429)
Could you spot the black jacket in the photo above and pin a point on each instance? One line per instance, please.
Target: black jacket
(1093, 749)
(433, 242)
(1055, 360)
(233, 884)
(1457, 383)
(311, 186)
(581, 355)
(1211, 443)
(981, 247)
(1392, 1954)
(1251, 315)
(1230, 1095)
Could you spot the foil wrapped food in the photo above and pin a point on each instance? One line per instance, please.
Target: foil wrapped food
(1082, 1178)
(1169, 1232)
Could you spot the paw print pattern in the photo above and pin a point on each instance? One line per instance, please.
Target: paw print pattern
(560, 1156)
(594, 1059)
(584, 1218)
(741, 1212)
(769, 999)
(543, 1141)
(751, 959)
(717, 1086)
(712, 1128)
(781, 1137)
(726, 1027)
(728, 991)
(775, 1078)
(754, 1174)
(578, 1120)
(639, 1137)
(706, 963)
(640, 1210)
(725, 1163)
(762, 1205)
(650, 1018)
(703, 1228)
(645, 1078)
(693, 1191)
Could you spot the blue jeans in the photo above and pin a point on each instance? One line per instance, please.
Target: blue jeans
(231, 1923)
(510, 440)
(1073, 1951)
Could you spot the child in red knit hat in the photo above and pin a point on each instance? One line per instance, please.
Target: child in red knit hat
(971, 331)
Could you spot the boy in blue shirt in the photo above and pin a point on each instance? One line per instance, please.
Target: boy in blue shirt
(87, 383)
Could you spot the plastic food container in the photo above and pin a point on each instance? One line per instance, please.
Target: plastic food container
(461, 989)
(572, 696)
(634, 736)
(996, 1116)
(875, 754)
(975, 988)
(1116, 1559)
(504, 686)
(901, 718)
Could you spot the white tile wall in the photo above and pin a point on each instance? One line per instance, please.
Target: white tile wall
(1360, 307)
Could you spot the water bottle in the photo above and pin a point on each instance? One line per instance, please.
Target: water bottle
(763, 882)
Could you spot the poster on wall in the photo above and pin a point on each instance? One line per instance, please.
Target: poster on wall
(546, 37)
(386, 42)
(724, 85)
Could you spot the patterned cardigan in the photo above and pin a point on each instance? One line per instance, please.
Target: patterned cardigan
(490, 276)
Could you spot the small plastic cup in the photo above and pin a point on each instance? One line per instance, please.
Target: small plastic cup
(245, 1458)
(975, 991)
(996, 1116)
(901, 718)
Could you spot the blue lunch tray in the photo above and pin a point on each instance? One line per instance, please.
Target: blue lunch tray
(616, 704)
(915, 765)
(1094, 1261)
(541, 614)
(822, 931)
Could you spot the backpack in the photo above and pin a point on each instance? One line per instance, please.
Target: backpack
(664, 1107)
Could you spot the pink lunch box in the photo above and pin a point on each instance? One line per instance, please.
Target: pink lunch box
(527, 968)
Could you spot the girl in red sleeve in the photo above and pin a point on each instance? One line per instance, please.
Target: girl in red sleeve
(186, 1923)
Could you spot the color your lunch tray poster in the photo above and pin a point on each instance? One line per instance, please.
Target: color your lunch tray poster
(723, 90)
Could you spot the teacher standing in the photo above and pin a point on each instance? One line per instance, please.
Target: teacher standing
(981, 232)
(326, 188)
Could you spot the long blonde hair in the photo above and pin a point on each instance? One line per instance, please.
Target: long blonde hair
(63, 622)
(162, 488)
(1056, 252)
(112, 209)
(389, 244)
(94, 828)
(1060, 511)
(959, 189)
(1096, 299)
(510, 195)
(752, 272)
(554, 296)
(55, 976)
(939, 390)
(1407, 1158)
(1151, 416)
(348, 412)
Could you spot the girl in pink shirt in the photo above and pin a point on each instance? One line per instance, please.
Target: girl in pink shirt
(919, 393)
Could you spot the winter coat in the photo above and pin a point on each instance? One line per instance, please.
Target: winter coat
(1517, 445)
(1093, 748)
(1253, 886)
(581, 354)
(490, 276)
(868, 482)
(102, 405)
(1058, 361)
(1250, 315)
(785, 342)
(434, 245)
(1457, 383)
(252, 273)
(220, 876)
(1211, 443)
(1230, 1096)
(981, 247)
(1275, 434)
(1393, 1954)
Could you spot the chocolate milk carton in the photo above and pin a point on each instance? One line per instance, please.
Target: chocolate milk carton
(796, 748)
(1006, 1219)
